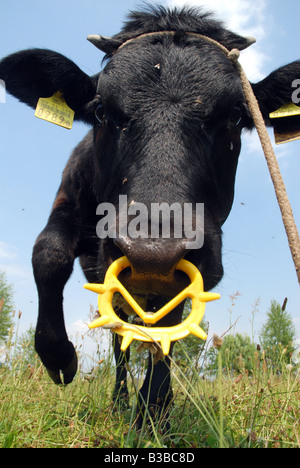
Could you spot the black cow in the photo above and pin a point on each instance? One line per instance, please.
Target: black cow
(167, 113)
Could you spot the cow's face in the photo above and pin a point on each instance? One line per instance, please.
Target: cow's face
(170, 114)
(172, 109)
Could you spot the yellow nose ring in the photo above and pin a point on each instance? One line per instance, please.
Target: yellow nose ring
(163, 335)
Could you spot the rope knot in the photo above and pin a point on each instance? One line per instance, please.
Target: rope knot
(234, 55)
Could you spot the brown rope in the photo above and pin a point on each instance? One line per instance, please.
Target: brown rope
(278, 183)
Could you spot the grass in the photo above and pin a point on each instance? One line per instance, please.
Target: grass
(249, 410)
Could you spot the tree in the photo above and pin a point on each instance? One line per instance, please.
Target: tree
(24, 347)
(6, 307)
(237, 353)
(277, 335)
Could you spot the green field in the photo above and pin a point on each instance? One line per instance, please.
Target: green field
(257, 409)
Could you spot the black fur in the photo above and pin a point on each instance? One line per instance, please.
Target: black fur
(172, 111)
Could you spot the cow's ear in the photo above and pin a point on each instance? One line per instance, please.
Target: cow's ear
(35, 73)
(234, 41)
(276, 90)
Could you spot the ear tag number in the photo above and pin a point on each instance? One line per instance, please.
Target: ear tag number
(287, 110)
(55, 110)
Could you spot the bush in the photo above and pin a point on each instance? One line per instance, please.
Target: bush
(277, 336)
(6, 308)
(237, 354)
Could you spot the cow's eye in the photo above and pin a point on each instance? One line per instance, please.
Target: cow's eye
(99, 113)
(236, 115)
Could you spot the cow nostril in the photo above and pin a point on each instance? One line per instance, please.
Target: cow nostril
(111, 250)
(123, 244)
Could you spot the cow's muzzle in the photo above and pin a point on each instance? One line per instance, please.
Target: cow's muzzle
(153, 265)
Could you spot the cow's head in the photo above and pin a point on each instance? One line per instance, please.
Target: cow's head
(171, 112)
(168, 110)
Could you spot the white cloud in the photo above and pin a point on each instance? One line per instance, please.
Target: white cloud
(80, 330)
(78, 327)
(245, 17)
(7, 251)
(242, 16)
(16, 271)
(9, 265)
(252, 145)
(91, 345)
(252, 61)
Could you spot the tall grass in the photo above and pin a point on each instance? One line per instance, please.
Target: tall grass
(259, 409)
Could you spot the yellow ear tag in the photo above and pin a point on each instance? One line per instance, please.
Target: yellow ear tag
(287, 110)
(286, 123)
(55, 110)
(163, 335)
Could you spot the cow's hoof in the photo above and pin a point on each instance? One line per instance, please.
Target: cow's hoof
(65, 376)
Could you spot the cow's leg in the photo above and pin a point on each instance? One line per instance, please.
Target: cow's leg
(156, 392)
(120, 393)
(156, 395)
(53, 257)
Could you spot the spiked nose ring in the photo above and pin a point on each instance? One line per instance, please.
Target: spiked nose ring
(161, 335)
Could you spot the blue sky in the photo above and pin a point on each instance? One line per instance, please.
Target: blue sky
(33, 154)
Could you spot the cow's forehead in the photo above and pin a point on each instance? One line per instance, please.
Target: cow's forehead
(158, 71)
